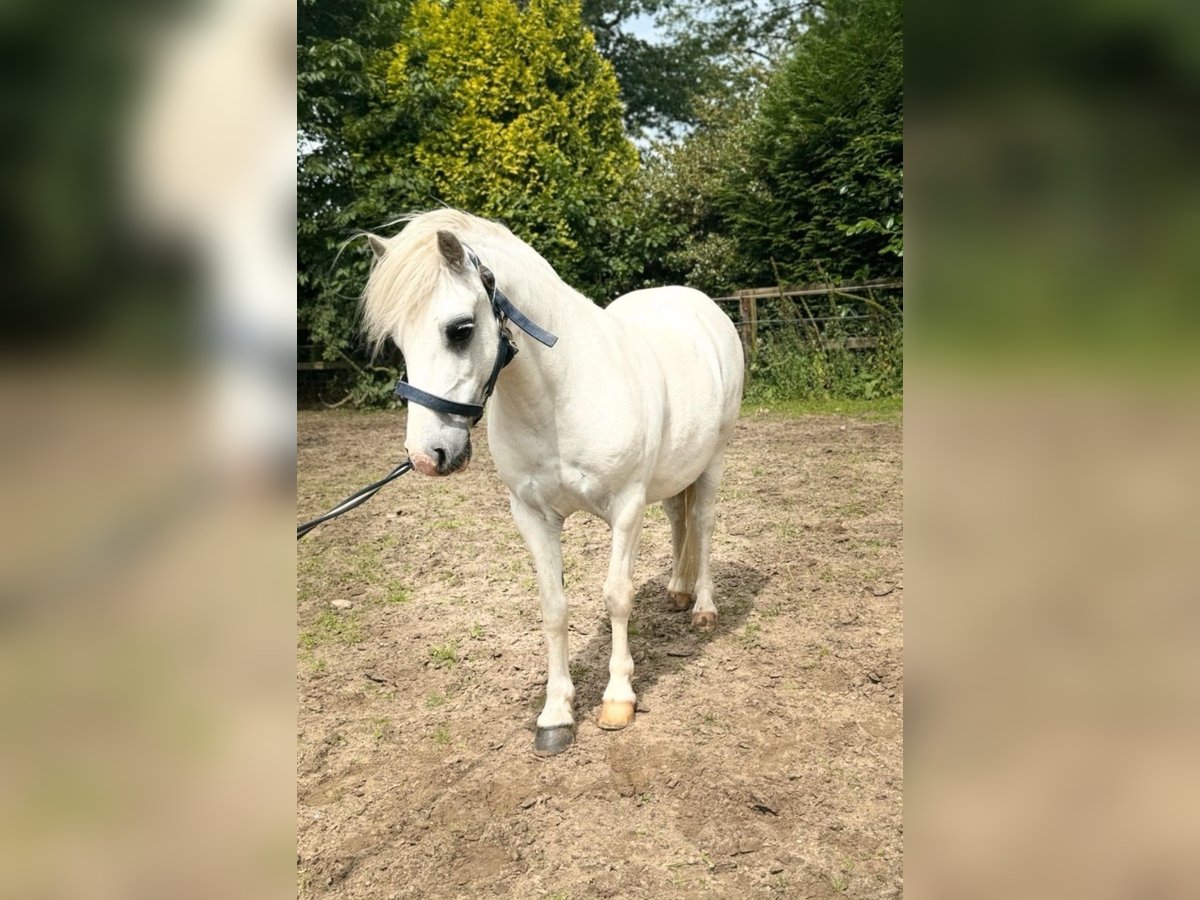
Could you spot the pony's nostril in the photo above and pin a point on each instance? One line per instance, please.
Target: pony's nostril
(441, 457)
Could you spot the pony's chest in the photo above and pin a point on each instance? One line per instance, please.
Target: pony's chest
(561, 489)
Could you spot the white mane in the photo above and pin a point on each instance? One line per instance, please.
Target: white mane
(404, 279)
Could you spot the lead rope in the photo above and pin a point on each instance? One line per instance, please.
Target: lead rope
(358, 498)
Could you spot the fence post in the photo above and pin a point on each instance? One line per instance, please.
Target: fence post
(748, 327)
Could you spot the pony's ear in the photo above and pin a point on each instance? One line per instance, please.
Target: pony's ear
(452, 249)
(378, 245)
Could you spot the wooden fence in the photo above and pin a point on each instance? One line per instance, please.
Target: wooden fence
(747, 320)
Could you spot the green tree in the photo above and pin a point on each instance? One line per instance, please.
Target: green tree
(525, 128)
(700, 49)
(679, 218)
(658, 78)
(822, 196)
(343, 48)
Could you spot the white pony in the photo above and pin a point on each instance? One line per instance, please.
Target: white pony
(633, 405)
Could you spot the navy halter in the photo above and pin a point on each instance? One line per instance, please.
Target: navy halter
(505, 312)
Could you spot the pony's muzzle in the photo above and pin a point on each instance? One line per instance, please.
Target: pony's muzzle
(438, 461)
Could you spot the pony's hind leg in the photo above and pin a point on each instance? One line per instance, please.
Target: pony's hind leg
(619, 701)
(543, 534)
(703, 517)
(683, 550)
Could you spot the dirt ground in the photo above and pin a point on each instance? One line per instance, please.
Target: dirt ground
(765, 759)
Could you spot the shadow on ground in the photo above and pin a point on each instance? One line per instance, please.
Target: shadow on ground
(654, 629)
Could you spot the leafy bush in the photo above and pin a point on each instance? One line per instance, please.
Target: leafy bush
(822, 194)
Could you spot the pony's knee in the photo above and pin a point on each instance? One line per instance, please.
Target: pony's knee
(618, 597)
(554, 616)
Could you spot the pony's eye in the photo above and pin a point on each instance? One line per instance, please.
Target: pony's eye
(460, 332)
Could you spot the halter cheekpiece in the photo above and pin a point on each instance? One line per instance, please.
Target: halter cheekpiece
(505, 312)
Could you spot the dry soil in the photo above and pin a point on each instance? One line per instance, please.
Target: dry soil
(765, 759)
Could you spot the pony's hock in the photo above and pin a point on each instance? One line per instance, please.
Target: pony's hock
(635, 405)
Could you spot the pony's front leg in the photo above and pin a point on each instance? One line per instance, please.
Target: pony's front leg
(543, 535)
(619, 698)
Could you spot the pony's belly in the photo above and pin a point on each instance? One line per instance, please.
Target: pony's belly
(670, 479)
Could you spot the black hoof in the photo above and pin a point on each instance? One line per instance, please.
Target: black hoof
(553, 740)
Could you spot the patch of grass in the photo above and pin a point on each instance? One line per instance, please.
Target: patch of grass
(308, 575)
(855, 508)
(840, 880)
(382, 726)
(632, 629)
(329, 626)
(476, 633)
(441, 737)
(772, 611)
(883, 409)
(367, 564)
(749, 635)
(396, 592)
(434, 700)
(444, 656)
(873, 574)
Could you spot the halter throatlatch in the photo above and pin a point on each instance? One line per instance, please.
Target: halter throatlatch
(505, 312)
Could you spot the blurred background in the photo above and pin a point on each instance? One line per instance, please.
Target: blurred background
(1051, 425)
(147, 198)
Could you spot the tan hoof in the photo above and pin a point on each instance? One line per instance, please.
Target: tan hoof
(678, 602)
(615, 714)
(705, 621)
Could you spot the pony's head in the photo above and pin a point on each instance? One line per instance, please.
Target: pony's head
(427, 296)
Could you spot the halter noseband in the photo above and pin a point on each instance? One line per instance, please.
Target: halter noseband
(504, 311)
